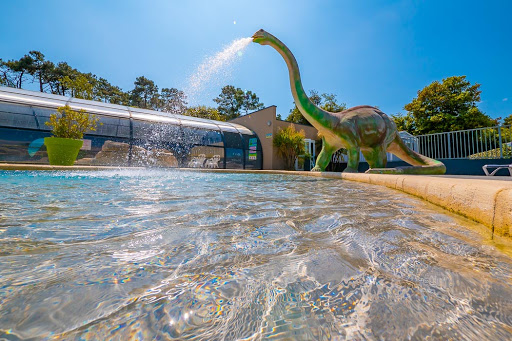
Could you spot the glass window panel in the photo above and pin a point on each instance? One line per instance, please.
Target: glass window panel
(43, 116)
(253, 160)
(148, 153)
(251, 142)
(202, 137)
(205, 157)
(15, 108)
(111, 126)
(156, 131)
(104, 151)
(8, 119)
(234, 158)
(19, 145)
(232, 140)
(43, 112)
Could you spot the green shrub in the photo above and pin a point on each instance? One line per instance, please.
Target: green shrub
(72, 124)
(289, 144)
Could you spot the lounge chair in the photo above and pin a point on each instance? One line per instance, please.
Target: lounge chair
(197, 161)
(213, 162)
(498, 167)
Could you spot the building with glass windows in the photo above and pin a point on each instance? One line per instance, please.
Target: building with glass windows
(126, 136)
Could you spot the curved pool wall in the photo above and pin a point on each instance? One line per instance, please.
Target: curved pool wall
(148, 254)
(126, 137)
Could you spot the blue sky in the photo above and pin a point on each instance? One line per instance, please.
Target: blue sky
(367, 52)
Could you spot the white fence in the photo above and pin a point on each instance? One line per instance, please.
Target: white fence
(480, 143)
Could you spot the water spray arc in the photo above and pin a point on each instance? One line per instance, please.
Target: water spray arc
(213, 66)
(363, 128)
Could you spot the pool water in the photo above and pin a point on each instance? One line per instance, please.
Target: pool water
(140, 255)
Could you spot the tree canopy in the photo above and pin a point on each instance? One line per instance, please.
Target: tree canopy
(173, 100)
(325, 101)
(508, 120)
(62, 79)
(444, 106)
(235, 101)
(202, 111)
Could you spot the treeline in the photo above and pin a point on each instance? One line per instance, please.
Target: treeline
(442, 106)
(449, 105)
(62, 79)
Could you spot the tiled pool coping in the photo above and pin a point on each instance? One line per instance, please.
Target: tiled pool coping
(487, 200)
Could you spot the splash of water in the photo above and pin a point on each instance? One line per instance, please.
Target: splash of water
(219, 64)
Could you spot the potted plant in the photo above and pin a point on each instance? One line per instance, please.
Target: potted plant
(68, 128)
(289, 144)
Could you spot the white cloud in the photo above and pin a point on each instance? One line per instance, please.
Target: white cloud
(505, 99)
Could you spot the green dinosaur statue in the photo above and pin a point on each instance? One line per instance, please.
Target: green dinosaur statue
(362, 128)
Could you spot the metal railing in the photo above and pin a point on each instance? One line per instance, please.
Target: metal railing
(480, 143)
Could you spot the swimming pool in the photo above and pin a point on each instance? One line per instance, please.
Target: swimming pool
(205, 256)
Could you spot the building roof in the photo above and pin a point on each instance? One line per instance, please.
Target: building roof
(51, 101)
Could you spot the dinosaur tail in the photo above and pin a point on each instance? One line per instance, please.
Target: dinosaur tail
(420, 163)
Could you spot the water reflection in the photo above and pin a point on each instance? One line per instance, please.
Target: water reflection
(183, 255)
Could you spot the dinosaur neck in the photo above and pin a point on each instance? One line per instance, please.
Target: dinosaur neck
(311, 112)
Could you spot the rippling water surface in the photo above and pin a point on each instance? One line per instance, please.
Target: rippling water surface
(128, 255)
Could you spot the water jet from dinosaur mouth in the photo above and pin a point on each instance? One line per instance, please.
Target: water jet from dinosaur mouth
(215, 69)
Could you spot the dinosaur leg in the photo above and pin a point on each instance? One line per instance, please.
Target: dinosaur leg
(376, 157)
(353, 160)
(323, 159)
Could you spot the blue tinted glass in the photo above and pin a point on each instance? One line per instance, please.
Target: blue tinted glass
(205, 157)
(8, 119)
(202, 137)
(22, 145)
(113, 127)
(232, 140)
(104, 151)
(251, 142)
(253, 160)
(15, 108)
(234, 158)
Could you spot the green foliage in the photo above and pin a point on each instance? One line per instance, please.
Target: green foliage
(4, 72)
(508, 120)
(173, 100)
(62, 79)
(233, 101)
(403, 122)
(205, 112)
(145, 94)
(79, 86)
(40, 69)
(289, 144)
(494, 153)
(446, 106)
(69, 123)
(325, 101)
(18, 70)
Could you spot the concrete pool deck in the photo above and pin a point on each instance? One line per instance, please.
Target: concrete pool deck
(487, 200)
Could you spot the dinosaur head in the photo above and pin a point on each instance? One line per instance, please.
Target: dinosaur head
(261, 37)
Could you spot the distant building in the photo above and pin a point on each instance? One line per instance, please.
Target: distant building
(265, 124)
